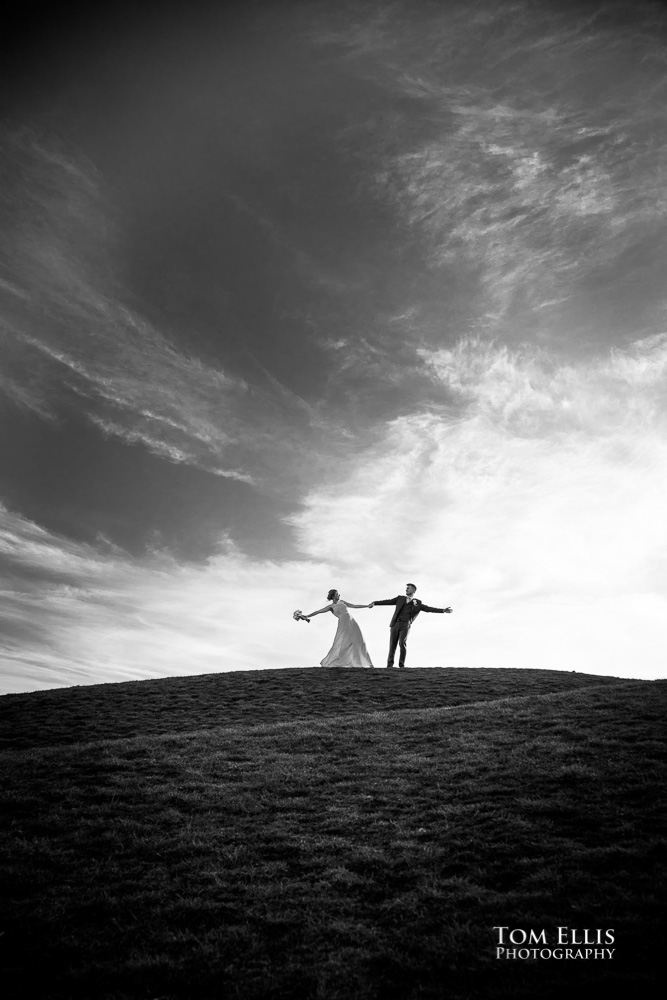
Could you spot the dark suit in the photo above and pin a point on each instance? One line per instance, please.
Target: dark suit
(400, 624)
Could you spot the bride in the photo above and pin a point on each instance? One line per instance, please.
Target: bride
(349, 648)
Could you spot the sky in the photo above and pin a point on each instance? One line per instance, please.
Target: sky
(332, 294)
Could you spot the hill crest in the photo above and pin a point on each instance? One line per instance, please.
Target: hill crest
(64, 716)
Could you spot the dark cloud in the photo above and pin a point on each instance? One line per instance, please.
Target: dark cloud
(71, 342)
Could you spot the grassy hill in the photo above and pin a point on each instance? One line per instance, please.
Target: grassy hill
(302, 834)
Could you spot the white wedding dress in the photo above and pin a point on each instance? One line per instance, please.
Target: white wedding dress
(349, 648)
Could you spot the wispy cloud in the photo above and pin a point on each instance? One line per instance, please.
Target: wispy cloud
(69, 339)
(497, 190)
(72, 613)
(517, 154)
(528, 393)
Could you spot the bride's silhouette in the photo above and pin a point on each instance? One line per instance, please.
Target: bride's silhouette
(349, 648)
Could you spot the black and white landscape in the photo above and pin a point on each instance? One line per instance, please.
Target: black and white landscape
(333, 294)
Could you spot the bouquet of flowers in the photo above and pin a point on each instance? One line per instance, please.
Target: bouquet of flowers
(299, 615)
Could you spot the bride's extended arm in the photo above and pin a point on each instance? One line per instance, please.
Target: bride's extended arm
(320, 612)
(348, 605)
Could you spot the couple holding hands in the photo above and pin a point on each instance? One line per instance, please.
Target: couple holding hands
(349, 648)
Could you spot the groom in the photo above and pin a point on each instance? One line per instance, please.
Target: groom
(407, 609)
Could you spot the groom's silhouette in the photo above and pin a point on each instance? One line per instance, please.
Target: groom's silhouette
(407, 609)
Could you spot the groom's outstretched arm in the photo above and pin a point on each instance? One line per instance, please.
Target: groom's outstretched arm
(391, 600)
(437, 611)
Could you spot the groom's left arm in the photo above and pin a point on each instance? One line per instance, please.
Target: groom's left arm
(437, 611)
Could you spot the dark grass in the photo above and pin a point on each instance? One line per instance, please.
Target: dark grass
(249, 698)
(356, 856)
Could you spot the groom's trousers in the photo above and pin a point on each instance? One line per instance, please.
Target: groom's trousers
(398, 636)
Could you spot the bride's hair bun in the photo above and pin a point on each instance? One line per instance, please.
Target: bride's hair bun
(331, 595)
